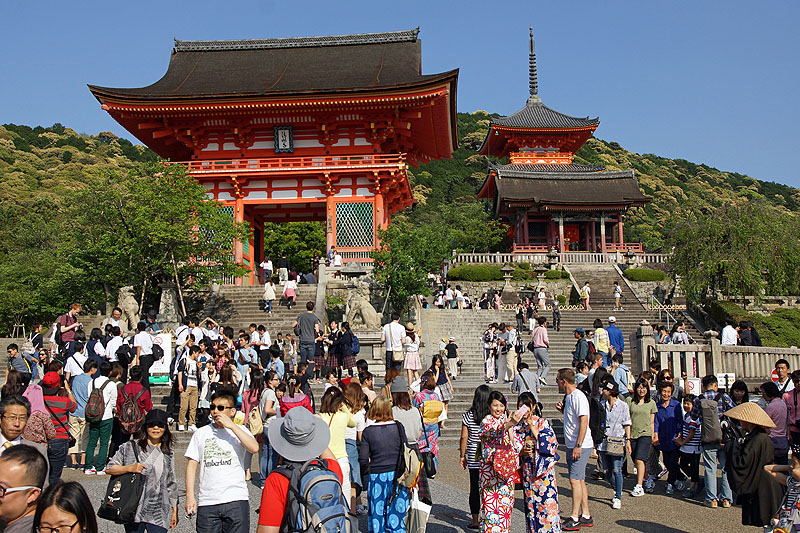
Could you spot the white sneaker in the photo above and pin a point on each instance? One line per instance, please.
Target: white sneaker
(616, 503)
(670, 490)
(637, 491)
(100, 473)
(192, 428)
(181, 428)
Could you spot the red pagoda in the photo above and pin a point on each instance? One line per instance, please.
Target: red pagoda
(298, 129)
(550, 201)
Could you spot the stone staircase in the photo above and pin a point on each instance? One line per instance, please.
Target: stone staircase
(601, 278)
(238, 307)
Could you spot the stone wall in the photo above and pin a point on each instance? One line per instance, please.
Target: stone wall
(645, 289)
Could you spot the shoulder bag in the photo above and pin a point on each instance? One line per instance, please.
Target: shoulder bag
(122, 495)
(72, 440)
(427, 457)
(397, 355)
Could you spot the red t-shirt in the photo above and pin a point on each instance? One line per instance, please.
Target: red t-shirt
(60, 407)
(273, 497)
(131, 389)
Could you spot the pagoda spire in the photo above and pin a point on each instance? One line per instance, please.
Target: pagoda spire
(533, 82)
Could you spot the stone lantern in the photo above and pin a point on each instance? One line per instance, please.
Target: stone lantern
(630, 257)
(540, 271)
(552, 258)
(509, 294)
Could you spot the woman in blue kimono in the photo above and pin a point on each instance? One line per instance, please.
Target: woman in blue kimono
(538, 459)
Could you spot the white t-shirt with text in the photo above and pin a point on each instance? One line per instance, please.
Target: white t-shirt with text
(222, 458)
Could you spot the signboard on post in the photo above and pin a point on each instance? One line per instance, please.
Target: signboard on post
(725, 380)
(160, 369)
(693, 386)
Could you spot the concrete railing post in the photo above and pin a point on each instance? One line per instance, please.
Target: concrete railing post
(712, 339)
(641, 347)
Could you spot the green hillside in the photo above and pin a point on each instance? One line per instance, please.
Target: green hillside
(49, 261)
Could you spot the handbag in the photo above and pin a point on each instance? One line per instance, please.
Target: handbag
(72, 440)
(615, 446)
(409, 464)
(505, 462)
(418, 513)
(122, 495)
(427, 457)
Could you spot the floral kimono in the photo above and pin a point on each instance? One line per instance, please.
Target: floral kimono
(539, 478)
(497, 495)
(431, 406)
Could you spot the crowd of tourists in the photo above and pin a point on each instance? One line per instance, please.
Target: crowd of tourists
(85, 404)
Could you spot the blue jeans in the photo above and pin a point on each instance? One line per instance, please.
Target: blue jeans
(269, 457)
(713, 453)
(57, 457)
(606, 358)
(307, 352)
(613, 466)
(231, 517)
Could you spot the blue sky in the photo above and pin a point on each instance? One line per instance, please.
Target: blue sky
(713, 82)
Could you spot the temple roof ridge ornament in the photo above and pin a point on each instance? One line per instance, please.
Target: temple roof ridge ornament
(298, 42)
(533, 82)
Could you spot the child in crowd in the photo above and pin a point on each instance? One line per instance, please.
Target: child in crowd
(689, 443)
(330, 379)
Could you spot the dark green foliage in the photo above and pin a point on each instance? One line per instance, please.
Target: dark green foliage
(475, 273)
(562, 300)
(556, 274)
(298, 240)
(780, 329)
(645, 274)
(66, 157)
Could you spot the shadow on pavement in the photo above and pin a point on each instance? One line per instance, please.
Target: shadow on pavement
(650, 527)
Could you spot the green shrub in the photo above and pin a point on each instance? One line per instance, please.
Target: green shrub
(645, 274)
(562, 299)
(522, 275)
(524, 266)
(556, 274)
(475, 273)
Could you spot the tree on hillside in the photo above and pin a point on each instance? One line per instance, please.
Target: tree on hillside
(738, 249)
(137, 229)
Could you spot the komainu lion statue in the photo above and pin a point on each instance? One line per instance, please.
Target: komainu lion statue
(130, 307)
(359, 312)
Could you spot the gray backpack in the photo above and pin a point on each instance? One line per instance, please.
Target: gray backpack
(710, 428)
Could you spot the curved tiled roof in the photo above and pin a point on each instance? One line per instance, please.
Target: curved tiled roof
(546, 169)
(536, 115)
(298, 42)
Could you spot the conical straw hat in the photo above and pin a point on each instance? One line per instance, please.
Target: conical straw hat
(751, 412)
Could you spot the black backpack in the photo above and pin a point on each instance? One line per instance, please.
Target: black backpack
(124, 354)
(314, 500)
(131, 417)
(158, 352)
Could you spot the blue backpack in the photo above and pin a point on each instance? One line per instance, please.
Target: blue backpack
(314, 501)
(356, 346)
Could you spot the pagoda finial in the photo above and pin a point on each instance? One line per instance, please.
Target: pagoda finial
(533, 82)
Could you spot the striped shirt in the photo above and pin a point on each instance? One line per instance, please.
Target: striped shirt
(473, 436)
(59, 407)
(689, 423)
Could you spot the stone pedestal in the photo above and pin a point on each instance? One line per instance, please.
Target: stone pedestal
(371, 346)
(169, 316)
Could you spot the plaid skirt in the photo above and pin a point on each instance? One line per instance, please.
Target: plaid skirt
(332, 360)
(319, 360)
(348, 361)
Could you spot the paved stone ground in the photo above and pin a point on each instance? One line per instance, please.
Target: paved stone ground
(656, 513)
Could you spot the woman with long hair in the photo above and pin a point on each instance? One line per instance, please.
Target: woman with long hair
(740, 395)
(442, 381)
(14, 384)
(412, 362)
(268, 404)
(250, 399)
(150, 454)
(65, 507)
(335, 413)
(430, 405)
(618, 426)
(346, 346)
(355, 400)
(538, 458)
(643, 416)
(386, 390)
(468, 446)
(497, 487)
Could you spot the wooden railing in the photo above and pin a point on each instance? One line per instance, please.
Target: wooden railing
(278, 164)
(635, 247)
(535, 257)
(529, 248)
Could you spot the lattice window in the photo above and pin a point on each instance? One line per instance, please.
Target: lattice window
(354, 225)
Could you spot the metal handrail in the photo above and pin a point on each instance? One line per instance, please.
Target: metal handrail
(653, 302)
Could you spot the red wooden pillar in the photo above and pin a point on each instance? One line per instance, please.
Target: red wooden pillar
(238, 246)
(603, 234)
(330, 224)
(525, 237)
(619, 225)
(593, 242)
